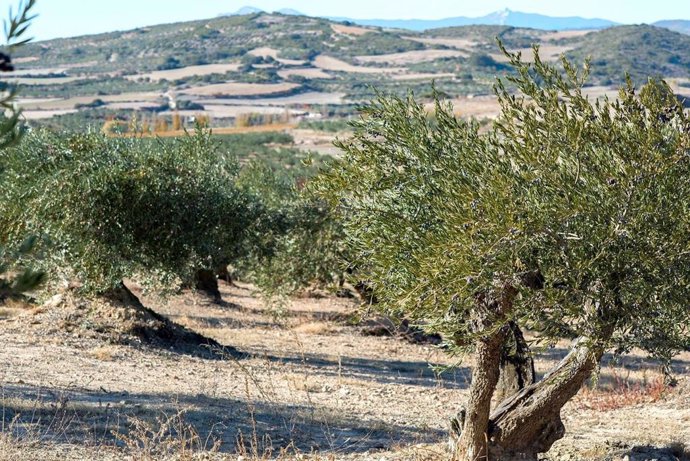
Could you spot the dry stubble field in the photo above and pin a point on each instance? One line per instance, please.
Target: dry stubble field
(314, 387)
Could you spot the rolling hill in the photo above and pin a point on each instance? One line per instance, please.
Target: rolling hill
(676, 25)
(268, 64)
(215, 40)
(641, 50)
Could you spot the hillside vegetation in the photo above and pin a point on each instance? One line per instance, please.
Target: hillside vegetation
(262, 66)
(642, 51)
(215, 40)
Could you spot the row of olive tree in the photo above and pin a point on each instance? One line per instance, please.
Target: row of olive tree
(569, 218)
(168, 213)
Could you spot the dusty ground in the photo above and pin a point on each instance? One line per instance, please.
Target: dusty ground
(314, 386)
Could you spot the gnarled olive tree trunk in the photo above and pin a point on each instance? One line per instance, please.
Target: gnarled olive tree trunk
(515, 372)
(529, 422)
(472, 422)
(206, 281)
(528, 419)
(517, 365)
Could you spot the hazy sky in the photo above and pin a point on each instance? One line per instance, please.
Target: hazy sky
(61, 18)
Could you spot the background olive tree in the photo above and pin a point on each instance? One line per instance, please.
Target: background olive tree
(110, 209)
(14, 279)
(297, 242)
(569, 217)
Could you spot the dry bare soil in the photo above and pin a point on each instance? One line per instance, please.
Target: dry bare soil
(314, 386)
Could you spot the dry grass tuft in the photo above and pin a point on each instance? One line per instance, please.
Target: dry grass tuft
(168, 437)
(316, 328)
(622, 393)
(104, 353)
(13, 307)
(37, 310)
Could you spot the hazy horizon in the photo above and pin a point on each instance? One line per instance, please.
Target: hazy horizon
(66, 18)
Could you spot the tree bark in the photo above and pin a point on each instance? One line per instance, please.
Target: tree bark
(473, 441)
(207, 282)
(224, 274)
(529, 422)
(517, 365)
(472, 423)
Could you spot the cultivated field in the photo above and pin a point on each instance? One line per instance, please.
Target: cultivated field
(306, 72)
(409, 57)
(337, 65)
(547, 53)
(189, 71)
(240, 89)
(350, 30)
(459, 43)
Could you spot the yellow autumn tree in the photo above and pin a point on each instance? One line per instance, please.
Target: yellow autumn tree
(176, 122)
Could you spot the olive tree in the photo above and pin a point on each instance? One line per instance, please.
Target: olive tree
(297, 241)
(569, 217)
(14, 279)
(110, 209)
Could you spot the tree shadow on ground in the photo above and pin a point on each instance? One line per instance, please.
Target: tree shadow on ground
(313, 315)
(411, 373)
(207, 321)
(71, 416)
(673, 452)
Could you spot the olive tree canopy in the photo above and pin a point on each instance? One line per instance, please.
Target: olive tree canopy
(569, 217)
(115, 208)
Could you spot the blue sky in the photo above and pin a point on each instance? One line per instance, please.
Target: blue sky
(61, 18)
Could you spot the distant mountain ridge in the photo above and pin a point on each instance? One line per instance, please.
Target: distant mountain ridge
(290, 12)
(246, 10)
(252, 10)
(504, 17)
(499, 18)
(676, 25)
